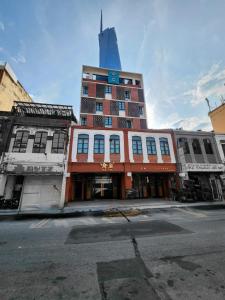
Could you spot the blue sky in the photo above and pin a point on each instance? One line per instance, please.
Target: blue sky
(178, 45)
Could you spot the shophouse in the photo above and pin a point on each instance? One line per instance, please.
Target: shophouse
(199, 161)
(33, 164)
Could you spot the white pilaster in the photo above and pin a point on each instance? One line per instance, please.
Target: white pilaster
(74, 149)
(159, 155)
(107, 149)
(91, 147)
(121, 147)
(130, 146)
(144, 149)
(173, 159)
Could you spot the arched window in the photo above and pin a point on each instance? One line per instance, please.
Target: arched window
(208, 146)
(20, 142)
(58, 142)
(151, 146)
(40, 141)
(82, 144)
(164, 146)
(114, 144)
(99, 144)
(183, 143)
(136, 145)
(196, 146)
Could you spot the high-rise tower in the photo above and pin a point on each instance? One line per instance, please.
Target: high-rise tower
(109, 57)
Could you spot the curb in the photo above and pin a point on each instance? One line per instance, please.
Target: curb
(112, 212)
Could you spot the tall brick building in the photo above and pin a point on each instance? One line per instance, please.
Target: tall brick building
(112, 153)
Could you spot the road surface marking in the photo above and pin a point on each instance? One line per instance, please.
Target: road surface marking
(39, 224)
(188, 211)
(61, 223)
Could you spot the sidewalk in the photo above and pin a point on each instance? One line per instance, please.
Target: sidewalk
(103, 207)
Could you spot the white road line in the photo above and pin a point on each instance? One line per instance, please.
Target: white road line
(39, 224)
(61, 223)
(188, 211)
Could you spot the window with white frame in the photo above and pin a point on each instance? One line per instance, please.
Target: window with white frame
(108, 89)
(108, 121)
(82, 144)
(151, 146)
(99, 144)
(127, 94)
(114, 144)
(164, 146)
(99, 107)
(20, 142)
(83, 121)
(121, 105)
(136, 145)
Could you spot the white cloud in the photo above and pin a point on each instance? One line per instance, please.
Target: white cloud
(2, 26)
(19, 58)
(209, 85)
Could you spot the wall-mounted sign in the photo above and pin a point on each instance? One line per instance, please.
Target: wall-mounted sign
(107, 166)
(113, 77)
(204, 167)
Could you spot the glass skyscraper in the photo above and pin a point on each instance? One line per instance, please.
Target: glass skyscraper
(108, 49)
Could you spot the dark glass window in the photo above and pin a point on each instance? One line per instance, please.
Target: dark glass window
(127, 81)
(223, 148)
(99, 106)
(208, 146)
(164, 146)
(58, 142)
(114, 144)
(82, 144)
(127, 94)
(183, 143)
(108, 121)
(20, 142)
(40, 142)
(140, 108)
(83, 121)
(121, 105)
(129, 123)
(136, 145)
(99, 144)
(108, 89)
(196, 146)
(85, 90)
(151, 146)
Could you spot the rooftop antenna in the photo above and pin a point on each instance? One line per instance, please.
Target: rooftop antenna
(101, 22)
(207, 100)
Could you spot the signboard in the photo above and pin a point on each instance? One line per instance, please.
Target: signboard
(204, 167)
(34, 169)
(113, 77)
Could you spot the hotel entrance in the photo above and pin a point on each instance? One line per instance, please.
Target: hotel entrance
(96, 186)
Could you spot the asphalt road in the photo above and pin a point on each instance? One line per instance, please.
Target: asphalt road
(167, 254)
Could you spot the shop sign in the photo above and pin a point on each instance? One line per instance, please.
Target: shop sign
(204, 167)
(107, 166)
(31, 169)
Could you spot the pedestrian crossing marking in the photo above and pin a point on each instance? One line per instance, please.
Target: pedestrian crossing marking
(40, 224)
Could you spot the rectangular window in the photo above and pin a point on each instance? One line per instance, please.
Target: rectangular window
(208, 146)
(136, 145)
(128, 123)
(58, 142)
(99, 106)
(164, 146)
(114, 144)
(121, 105)
(140, 108)
(127, 81)
(40, 142)
(108, 121)
(108, 89)
(20, 142)
(99, 144)
(83, 121)
(85, 90)
(127, 95)
(151, 146)
(82, 144)
(223, 148)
